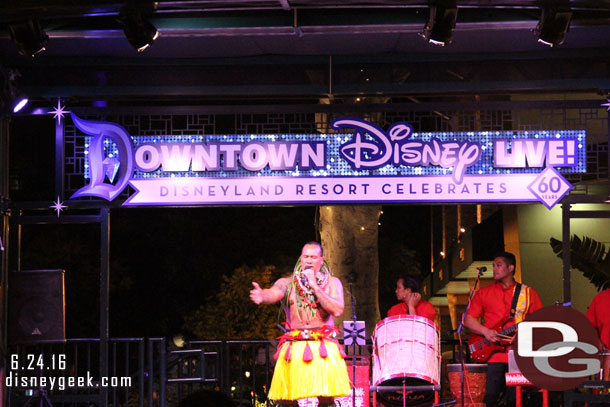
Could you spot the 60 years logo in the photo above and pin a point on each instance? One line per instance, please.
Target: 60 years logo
(557, 348)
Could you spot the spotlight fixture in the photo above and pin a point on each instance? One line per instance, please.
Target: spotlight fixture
(439, 28)
(12, 99)
(19, 102)
(29, 37)
(553, 26)
(138, 30)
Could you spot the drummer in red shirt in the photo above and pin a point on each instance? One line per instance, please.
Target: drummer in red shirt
(411, 303)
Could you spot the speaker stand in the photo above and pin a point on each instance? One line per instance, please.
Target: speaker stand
(42, 396)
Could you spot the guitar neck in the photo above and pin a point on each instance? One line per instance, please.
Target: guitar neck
(509, 330)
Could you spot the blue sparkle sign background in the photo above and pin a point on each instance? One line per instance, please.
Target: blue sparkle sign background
(365, 164)
(336, 166)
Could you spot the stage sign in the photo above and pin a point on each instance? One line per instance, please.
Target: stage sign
(360, 163)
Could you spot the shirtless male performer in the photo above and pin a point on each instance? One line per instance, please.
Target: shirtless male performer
(309, 358)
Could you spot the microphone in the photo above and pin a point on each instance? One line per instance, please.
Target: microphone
(304, 280)
(481, 270)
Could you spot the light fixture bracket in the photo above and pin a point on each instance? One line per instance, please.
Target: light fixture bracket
(441, 22)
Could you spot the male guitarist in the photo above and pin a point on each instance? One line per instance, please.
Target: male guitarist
(500, 305)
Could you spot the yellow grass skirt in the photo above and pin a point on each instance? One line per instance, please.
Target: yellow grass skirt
(295, 379)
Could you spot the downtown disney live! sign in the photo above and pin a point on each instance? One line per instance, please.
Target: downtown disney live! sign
(357, 164)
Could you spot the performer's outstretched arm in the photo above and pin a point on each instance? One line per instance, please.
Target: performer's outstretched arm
(269, 295)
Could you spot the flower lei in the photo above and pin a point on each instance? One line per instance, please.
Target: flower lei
(304, 297)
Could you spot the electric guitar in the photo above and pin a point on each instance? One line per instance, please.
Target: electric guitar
(481, 349)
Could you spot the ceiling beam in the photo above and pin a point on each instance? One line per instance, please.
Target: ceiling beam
(598, 85)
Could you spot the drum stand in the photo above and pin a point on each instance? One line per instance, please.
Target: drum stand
(404, 388)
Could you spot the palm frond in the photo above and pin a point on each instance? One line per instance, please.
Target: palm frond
(590, 257)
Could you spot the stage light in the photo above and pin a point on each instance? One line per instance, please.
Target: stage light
(12, 99)
(441, 22)
(553, 26)
(19, 102)
(179, 341)
(462, 230)
(138, 30)
(29, 37)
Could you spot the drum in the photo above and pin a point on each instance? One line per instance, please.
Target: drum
(476, 375)
(406, 346)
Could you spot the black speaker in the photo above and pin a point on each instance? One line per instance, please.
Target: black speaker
(36, 306)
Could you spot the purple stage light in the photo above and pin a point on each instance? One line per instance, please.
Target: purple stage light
(21, 102)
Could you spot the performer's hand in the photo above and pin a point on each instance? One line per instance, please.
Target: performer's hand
(310, 275)
(492, 336)
(256, 294)
(414, 299)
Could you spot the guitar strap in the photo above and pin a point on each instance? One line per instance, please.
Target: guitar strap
(513, 306)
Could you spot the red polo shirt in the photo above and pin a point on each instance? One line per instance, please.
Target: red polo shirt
(423, 309)
(599, 315)
(493, 304)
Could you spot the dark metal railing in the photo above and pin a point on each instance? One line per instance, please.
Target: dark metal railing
(160, 374)
(71, 372)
